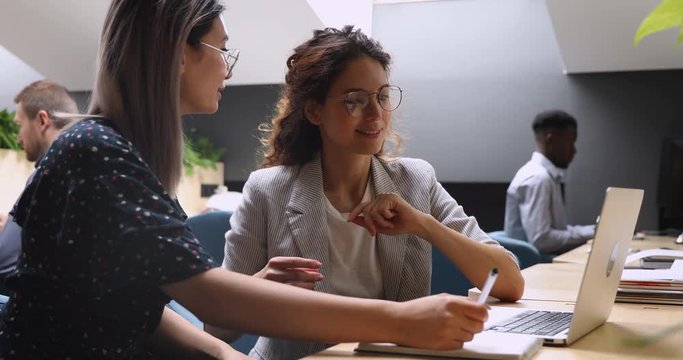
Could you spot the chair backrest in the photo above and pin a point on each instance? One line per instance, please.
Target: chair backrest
(446, 278)
(210, 229)
(526, 253)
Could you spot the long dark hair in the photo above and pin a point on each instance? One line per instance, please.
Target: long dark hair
(138, 75)
(290, 139)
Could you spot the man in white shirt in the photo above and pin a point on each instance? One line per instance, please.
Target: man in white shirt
(535, 208)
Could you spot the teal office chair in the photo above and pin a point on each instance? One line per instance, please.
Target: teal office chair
(210, 229)
(526, 253)
(449, 279)
(446, 278)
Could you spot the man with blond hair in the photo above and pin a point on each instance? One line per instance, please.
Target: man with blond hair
(37, 105)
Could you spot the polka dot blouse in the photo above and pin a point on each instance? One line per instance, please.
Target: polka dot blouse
(100, 235)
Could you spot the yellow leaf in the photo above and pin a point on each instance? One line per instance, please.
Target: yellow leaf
(668, 14)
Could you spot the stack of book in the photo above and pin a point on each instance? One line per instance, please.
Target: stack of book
(652, 292)
(659, 280)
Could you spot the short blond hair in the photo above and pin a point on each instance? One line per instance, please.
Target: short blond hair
(49, 96)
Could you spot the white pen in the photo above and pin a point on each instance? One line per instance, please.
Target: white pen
(488, 285)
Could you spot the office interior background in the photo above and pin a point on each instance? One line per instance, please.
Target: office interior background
(474, 74)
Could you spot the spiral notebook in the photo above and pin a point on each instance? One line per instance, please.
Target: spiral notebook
(485, 345)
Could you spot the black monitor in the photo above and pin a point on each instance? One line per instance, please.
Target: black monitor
(670, 191)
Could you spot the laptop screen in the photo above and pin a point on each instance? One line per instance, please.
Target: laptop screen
(615, 228)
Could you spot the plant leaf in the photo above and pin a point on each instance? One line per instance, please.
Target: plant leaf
(668, 14)
(200, 152)
(8, 131)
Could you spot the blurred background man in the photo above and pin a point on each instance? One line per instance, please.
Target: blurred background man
(38, 128)
(535, 202)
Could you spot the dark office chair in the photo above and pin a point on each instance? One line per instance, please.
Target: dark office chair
(210, 229)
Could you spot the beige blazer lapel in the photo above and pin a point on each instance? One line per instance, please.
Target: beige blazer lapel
(307, 219)
(391, 249)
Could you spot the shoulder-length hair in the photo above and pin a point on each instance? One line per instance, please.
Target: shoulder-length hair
(137, 84)
(290, 139)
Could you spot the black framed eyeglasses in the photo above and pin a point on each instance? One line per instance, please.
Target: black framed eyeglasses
(388, 96)
(230, 56)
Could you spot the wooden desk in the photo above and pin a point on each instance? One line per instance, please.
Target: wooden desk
(560, 280)
(553, 282)
(580, 254)
(18, 169)
(633, 331)
(548, 282)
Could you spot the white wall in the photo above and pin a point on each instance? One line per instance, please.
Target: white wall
(62, 38)
(474, 75)
(14, 75)
(597, 36)
(348, 12)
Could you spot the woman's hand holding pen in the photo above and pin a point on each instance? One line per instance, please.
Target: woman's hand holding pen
(296, 271)
(442, 321)
(388, 214)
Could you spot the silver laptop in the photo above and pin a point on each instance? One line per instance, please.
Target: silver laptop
(605, 264)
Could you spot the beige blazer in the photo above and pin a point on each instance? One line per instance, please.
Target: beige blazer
(283, 214)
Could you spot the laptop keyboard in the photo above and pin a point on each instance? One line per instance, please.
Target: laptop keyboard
(545, 323)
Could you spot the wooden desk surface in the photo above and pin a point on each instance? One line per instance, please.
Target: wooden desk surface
(553, 282)
(560, 280)
(548, 282)
(580, 254)
(633, 331)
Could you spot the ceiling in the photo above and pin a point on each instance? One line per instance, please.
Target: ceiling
(597, 36)
(59, 38)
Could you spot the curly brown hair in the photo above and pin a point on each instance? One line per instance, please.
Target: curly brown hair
(290, 139)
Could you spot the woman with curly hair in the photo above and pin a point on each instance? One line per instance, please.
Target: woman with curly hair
(331, 211)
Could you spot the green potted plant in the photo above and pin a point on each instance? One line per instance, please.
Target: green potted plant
(14, 168)
(201, 160)
(200, 152)
(8, 131)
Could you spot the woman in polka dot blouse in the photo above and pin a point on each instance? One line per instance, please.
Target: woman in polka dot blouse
(105, 244)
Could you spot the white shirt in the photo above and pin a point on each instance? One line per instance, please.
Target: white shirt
(534, 208)
(354, 262)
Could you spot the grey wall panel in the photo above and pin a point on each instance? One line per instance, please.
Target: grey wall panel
(234, 126)
(476, 72)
